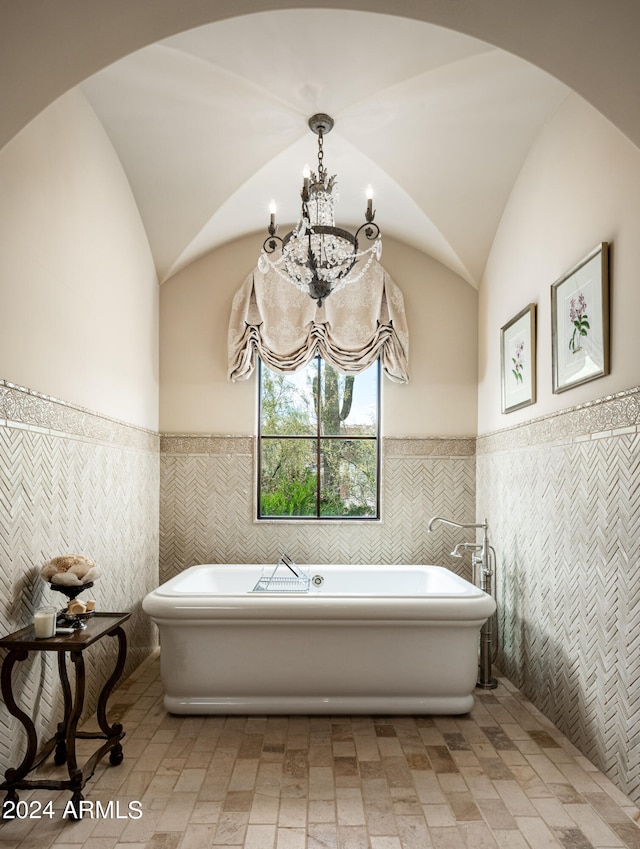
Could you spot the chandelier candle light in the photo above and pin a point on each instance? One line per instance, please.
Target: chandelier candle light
(316, 256)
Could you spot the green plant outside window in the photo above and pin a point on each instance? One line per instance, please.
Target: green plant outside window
(318, 443)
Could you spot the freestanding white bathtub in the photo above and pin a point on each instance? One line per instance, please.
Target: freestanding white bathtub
(369, 640)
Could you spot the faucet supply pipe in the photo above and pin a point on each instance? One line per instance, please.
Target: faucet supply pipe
(485, 681)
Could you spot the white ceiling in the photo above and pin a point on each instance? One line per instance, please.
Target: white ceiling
(210, 125)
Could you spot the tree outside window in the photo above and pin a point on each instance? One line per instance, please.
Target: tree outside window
(318, 443)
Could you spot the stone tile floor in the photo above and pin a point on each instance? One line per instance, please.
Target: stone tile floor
(501, 777)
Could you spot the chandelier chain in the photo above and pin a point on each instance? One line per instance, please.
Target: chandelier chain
(320, 155)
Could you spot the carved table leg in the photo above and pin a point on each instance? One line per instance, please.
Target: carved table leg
(115, 730)
(60, 755)
(71, 721)
(12, 776)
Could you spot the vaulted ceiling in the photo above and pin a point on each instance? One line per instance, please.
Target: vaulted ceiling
(211, 124)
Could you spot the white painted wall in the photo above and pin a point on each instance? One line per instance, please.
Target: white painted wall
(563, 508)
(580, 186)
(196, 397)
(78, 288)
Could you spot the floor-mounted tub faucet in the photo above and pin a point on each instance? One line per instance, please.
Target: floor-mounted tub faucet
(480, 557)
(483, 559)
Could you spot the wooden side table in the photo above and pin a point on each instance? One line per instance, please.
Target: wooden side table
(63, 741)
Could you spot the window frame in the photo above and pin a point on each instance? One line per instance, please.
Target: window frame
(319, 438)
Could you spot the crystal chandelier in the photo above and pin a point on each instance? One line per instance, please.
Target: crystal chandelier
(316, 256)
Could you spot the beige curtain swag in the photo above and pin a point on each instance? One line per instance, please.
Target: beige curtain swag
(356, 324)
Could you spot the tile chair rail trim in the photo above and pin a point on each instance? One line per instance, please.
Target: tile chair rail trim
(23, 407)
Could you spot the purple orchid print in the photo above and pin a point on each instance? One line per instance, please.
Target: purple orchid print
(518, 362)
(580, 320)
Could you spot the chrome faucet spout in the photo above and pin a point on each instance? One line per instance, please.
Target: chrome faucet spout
(455, 524)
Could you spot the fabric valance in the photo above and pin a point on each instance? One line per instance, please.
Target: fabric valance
(356, 324)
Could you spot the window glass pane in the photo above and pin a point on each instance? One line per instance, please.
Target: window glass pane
(318, 406)
(287, 402)
(349, 403)
(288, 477)
(348, 473)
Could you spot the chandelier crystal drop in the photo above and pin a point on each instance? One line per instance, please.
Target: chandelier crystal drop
(316, 256)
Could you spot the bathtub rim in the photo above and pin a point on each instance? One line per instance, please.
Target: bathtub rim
(472, 606)
(468, 589)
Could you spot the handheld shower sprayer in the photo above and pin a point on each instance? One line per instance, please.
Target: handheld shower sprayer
(461, 547)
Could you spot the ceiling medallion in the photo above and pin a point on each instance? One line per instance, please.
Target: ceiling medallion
(316, 256)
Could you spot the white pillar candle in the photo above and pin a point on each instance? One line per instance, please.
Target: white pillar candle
(44, 622)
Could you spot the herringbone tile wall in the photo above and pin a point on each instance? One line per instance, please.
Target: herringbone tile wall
(207, 507)
(562, 495)
(62, 494)
(565, 522)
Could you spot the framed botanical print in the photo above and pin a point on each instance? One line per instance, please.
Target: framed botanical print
(580, 322)
(518, 360)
